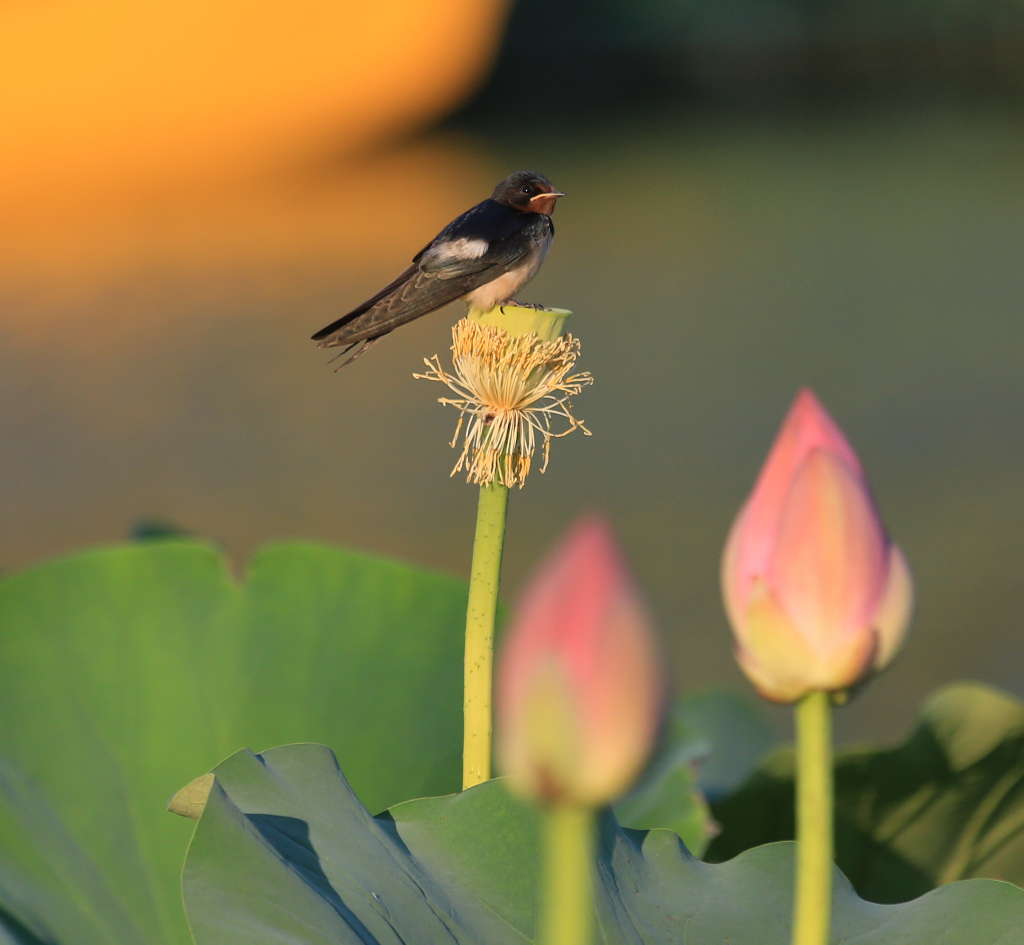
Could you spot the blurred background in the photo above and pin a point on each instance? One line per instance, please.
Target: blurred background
(762, 194)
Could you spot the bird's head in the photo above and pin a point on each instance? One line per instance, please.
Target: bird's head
(527, 192)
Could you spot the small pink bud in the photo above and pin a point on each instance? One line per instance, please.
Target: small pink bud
(817, 595)
(579, 690)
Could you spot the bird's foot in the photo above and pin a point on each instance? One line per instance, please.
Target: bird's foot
(515, 303)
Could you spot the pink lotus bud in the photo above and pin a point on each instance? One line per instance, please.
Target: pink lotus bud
(579, 689)
(817, 595)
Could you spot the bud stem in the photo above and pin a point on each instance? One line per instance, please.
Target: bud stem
(568, 901)
(485, 572)
(813, 900)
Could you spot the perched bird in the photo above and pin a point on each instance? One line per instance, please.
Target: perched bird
(484, 256)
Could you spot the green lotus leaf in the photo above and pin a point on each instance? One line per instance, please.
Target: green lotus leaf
(946, 804)
(127, 671)
(285, 853)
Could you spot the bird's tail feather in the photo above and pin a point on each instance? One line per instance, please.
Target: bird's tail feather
(352, 351)
(405, 299)
(323, 335)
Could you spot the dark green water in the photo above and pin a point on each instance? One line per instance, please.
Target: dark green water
(713, 269)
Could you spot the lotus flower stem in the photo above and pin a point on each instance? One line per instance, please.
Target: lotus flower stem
(568, 900)
(484, 577)
(813, 901)
(513, 385)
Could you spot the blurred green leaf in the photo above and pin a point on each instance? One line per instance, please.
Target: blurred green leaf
(667, 794)
(946, 804)
(129, 670)
(157, 529)
(284, 853)
(12, 932)
(48, 883)
(712, 740)
(669, 797)
(732, 728)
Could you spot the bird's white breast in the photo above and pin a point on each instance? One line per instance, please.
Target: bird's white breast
(498, 290)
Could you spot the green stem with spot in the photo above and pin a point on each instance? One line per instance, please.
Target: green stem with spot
(484, 576)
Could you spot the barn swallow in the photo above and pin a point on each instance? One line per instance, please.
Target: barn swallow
(483, 256)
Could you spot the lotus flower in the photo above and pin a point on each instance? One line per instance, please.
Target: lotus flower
(579, 689)
(817, 595)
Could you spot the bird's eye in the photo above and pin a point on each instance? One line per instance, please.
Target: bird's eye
(525, 188)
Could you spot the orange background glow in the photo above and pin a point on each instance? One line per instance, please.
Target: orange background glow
(110, 103)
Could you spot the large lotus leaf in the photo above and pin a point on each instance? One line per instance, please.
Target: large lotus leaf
(127, 670)
(38, 858)
(13, 932)
(669, 797)
(711, 742)
(733, 733)
(284, 854)
(946, 804)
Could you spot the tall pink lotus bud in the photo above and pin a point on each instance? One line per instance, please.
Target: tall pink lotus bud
(817, 595)
(579, 689)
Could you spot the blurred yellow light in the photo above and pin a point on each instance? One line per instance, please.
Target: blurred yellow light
(108, 101)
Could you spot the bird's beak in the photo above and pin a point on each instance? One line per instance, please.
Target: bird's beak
(552, 193)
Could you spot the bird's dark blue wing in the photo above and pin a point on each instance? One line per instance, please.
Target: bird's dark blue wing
(488, 220)
(475, 248)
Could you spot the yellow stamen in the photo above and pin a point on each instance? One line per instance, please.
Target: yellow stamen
(512, 394)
